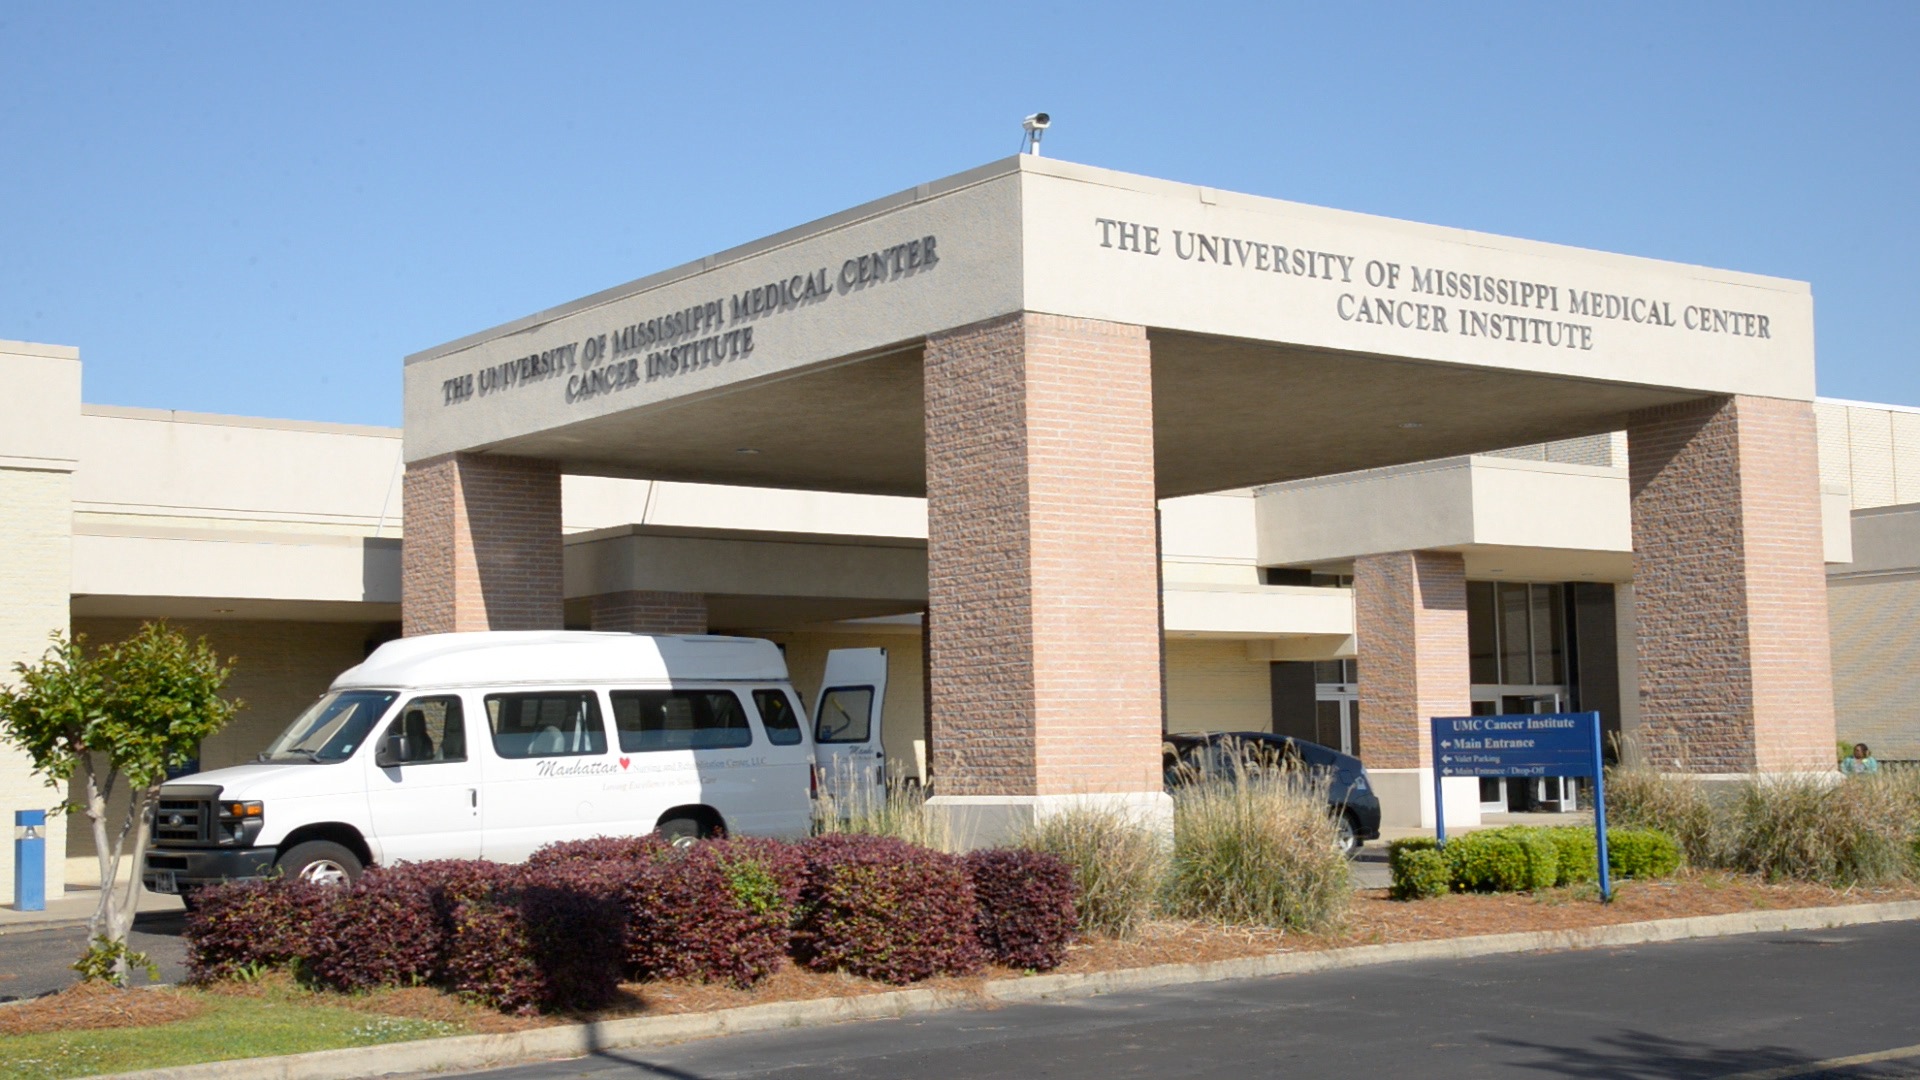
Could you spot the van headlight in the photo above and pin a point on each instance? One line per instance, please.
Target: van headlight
(240, 821)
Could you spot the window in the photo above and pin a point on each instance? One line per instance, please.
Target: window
(1516, 634)
(1483, 662)
(546, 724)
(680, 720)
(846, 715)
(778, 715)
(1335, 671)
(431, 730)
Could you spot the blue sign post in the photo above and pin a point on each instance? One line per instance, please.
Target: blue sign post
(29, 860)
(1536, 744)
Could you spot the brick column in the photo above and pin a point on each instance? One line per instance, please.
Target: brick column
(1729, 587)
(481, 548)
(1044, 629)
(645, 611)
(1410, 631)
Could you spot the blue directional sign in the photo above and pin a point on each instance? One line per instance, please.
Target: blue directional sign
(1532, 744)
(1541, 744)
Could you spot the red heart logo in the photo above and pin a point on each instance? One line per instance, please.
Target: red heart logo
(624, 762)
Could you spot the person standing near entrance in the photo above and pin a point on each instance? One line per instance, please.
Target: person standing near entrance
(1860, 762)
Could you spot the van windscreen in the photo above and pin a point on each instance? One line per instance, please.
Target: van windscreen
(680, 720)
(332, 728)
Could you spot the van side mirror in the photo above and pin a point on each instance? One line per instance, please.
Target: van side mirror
(392, 751)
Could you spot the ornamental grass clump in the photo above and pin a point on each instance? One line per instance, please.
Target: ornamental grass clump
(1814, 827)
(1639, 796)
(898, 810)
(1259, 849)
(1118, 864)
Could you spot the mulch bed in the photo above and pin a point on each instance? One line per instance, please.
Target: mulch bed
(92, 1006)
(1373, 919)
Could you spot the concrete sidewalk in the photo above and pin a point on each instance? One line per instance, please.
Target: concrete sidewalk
(73, 908)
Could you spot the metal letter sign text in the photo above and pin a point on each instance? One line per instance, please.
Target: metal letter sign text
(1535, 744)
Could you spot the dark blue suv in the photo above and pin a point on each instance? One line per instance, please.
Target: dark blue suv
(1350, 796)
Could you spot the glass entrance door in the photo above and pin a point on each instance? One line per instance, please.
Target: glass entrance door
(1336, 718)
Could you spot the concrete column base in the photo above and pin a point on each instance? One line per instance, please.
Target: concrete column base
(982, 821)
(1406, 798)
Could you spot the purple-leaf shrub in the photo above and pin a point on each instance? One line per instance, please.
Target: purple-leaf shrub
(550, 941)
(885, 909)
(380, 932)
(1026, 898)
(246, 926)
(625, 849)
(717, 911)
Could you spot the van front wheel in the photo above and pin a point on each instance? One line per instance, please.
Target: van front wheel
(320, 862)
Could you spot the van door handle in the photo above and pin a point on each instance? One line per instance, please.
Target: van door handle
(473, 798)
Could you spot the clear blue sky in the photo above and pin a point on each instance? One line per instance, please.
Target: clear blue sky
(260, 209)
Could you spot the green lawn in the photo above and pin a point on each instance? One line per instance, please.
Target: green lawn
(230, 1027)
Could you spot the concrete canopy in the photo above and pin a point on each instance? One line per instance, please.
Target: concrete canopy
(1288, 341)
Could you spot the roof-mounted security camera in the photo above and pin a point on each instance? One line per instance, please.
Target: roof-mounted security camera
(1034, 125)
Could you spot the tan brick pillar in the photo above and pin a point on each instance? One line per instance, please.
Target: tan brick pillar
(647, 611)
(1044, 629)
(1729, 587)
(481, 548)
(1410, 631)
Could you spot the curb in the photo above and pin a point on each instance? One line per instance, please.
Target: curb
(467, 1052)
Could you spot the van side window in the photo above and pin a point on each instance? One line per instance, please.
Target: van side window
(846, 714)
(778, 716)
(546, 724)
(431, 730)
(679, 720)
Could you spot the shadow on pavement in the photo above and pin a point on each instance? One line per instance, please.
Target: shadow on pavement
(1632, 1055)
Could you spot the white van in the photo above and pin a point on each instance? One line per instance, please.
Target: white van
(490, 745)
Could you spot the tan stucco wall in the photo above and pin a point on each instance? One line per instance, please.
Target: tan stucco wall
(38, 445)
(33, 603)
(1873, 450)
(1876, 663)
(1214, 686)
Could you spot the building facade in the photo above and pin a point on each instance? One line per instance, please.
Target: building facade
(1094, 456)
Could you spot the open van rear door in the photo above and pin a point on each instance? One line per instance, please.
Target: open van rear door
(846, 726)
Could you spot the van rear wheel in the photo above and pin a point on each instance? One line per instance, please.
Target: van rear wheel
(320, 862)
(686, 831)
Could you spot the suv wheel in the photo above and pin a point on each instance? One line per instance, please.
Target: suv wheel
(1346, 837)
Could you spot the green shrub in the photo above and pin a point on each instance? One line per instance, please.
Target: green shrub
(1576, 855)
(1641, 853)
(1418, 869)
(1257, 850)
(1503, 860)
(1117, 865)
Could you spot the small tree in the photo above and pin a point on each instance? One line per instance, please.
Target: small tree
(130, 712)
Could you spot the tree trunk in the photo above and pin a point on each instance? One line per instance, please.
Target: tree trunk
(96, 807)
